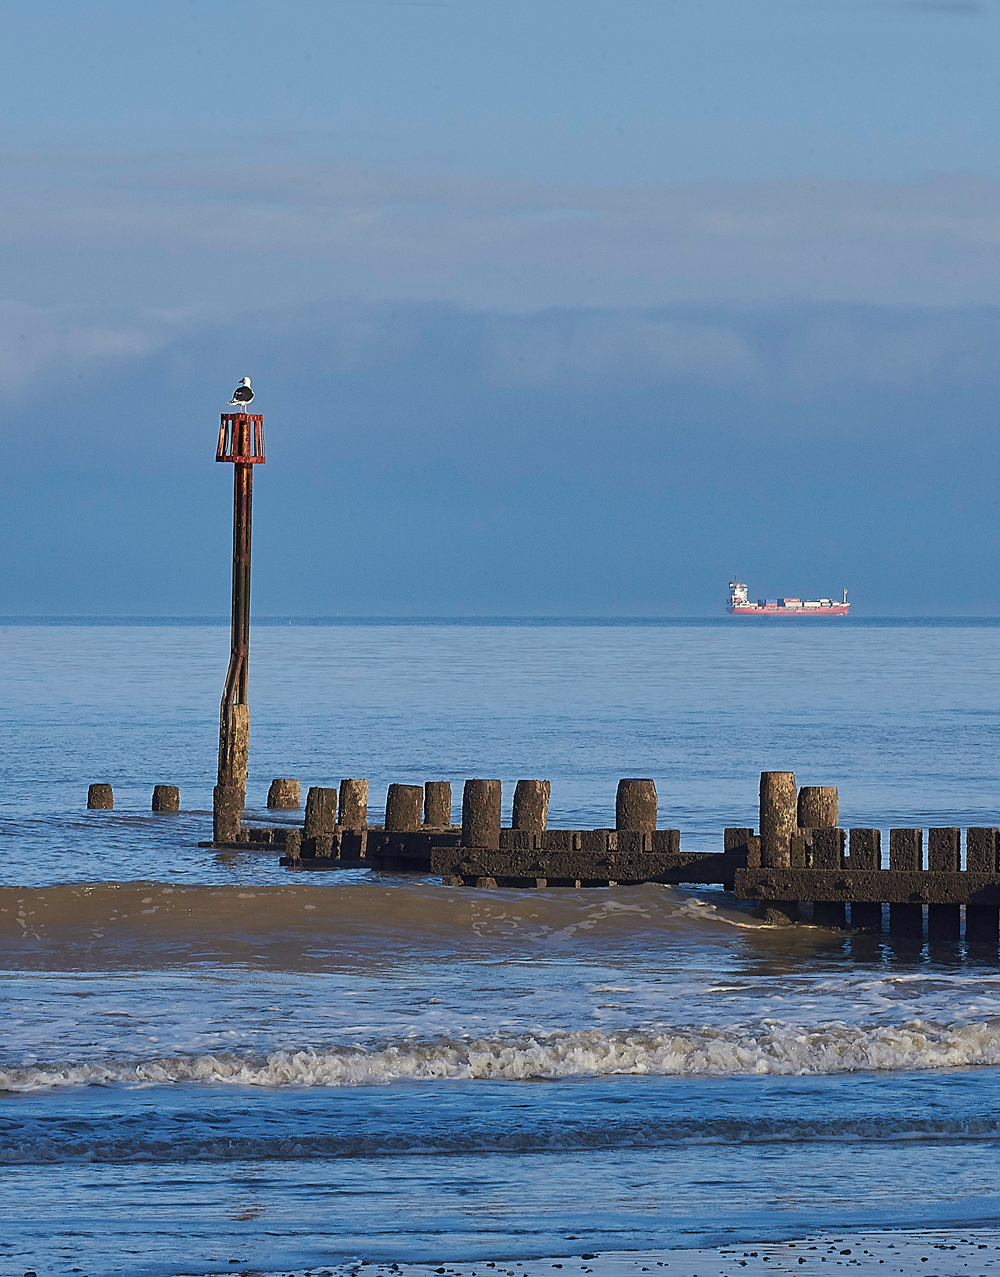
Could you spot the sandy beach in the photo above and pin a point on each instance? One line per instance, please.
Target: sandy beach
(935, 1252)
(931, 1253)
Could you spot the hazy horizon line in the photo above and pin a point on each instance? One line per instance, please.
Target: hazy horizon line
(481, 620)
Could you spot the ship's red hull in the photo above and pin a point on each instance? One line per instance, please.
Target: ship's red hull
(751, 609)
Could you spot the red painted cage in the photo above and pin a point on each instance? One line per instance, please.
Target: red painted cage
(241, 438)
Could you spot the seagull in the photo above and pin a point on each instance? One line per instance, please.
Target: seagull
(242, 395)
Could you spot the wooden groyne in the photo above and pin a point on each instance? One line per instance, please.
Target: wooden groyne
(804, 856)
(555, 858)
(836, 880)
(800, 864)
(480, 852)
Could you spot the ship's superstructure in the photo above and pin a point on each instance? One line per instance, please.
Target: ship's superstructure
(739, 605)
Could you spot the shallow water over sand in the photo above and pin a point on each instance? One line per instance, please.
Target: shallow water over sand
(202, 1051)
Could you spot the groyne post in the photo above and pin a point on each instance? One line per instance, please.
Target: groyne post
(906, 852)
(818, 812)
(778, 823)
(321, 812)
(241, 442)
(828, 853)
(227, 811)
(437, 803)
(481, 814)
(635, 806)
(865, 853)
(354, 804)
(284, 794)
(166, 798)
(818, 807)
(403, 808)
(531, 806)
(982, 922)
(100, 798)
(944, 854)
(737, 839)
(778, 818)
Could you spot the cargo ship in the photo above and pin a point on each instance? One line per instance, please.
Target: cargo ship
(739, 605)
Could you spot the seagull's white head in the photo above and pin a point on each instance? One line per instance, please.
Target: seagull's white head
(245, 381)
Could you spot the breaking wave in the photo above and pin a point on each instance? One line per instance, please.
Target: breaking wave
(706, 1052)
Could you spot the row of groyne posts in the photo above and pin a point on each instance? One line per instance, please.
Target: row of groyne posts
(800, 856)
(418, 834)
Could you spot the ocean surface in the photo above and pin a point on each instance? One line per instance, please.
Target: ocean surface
(211, 1064)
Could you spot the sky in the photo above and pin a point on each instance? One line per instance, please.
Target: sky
(564, 308)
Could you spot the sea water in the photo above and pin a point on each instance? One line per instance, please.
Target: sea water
(209, 1063)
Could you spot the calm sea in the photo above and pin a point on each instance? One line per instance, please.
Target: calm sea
(210, 1064)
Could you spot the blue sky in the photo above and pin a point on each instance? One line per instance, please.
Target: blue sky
(569, 308)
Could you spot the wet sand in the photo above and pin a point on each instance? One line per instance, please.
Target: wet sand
(930, 1253)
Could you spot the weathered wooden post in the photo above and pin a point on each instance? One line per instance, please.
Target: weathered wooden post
(437, 803)
(481, 814)
(166, 798)
(241, 441)
(100, 798)
(818, 814)
(354, 804)
(531, 806)
(778, 823)
(321, 812)
(865, 855)
(982, 848)
(285, 794)
(944, 922)
(906, 851)
(818, 807)
(741, 843)
(635, 805)
(403, 808)
(828, 853)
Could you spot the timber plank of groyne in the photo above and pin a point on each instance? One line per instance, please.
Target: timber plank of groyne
(409, 850)
(582, 854)
(878, 886)
(373, 848)
(585, 866)
(593, 841)
(255, 839)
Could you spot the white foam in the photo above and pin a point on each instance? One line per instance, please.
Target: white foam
(775, 1048)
